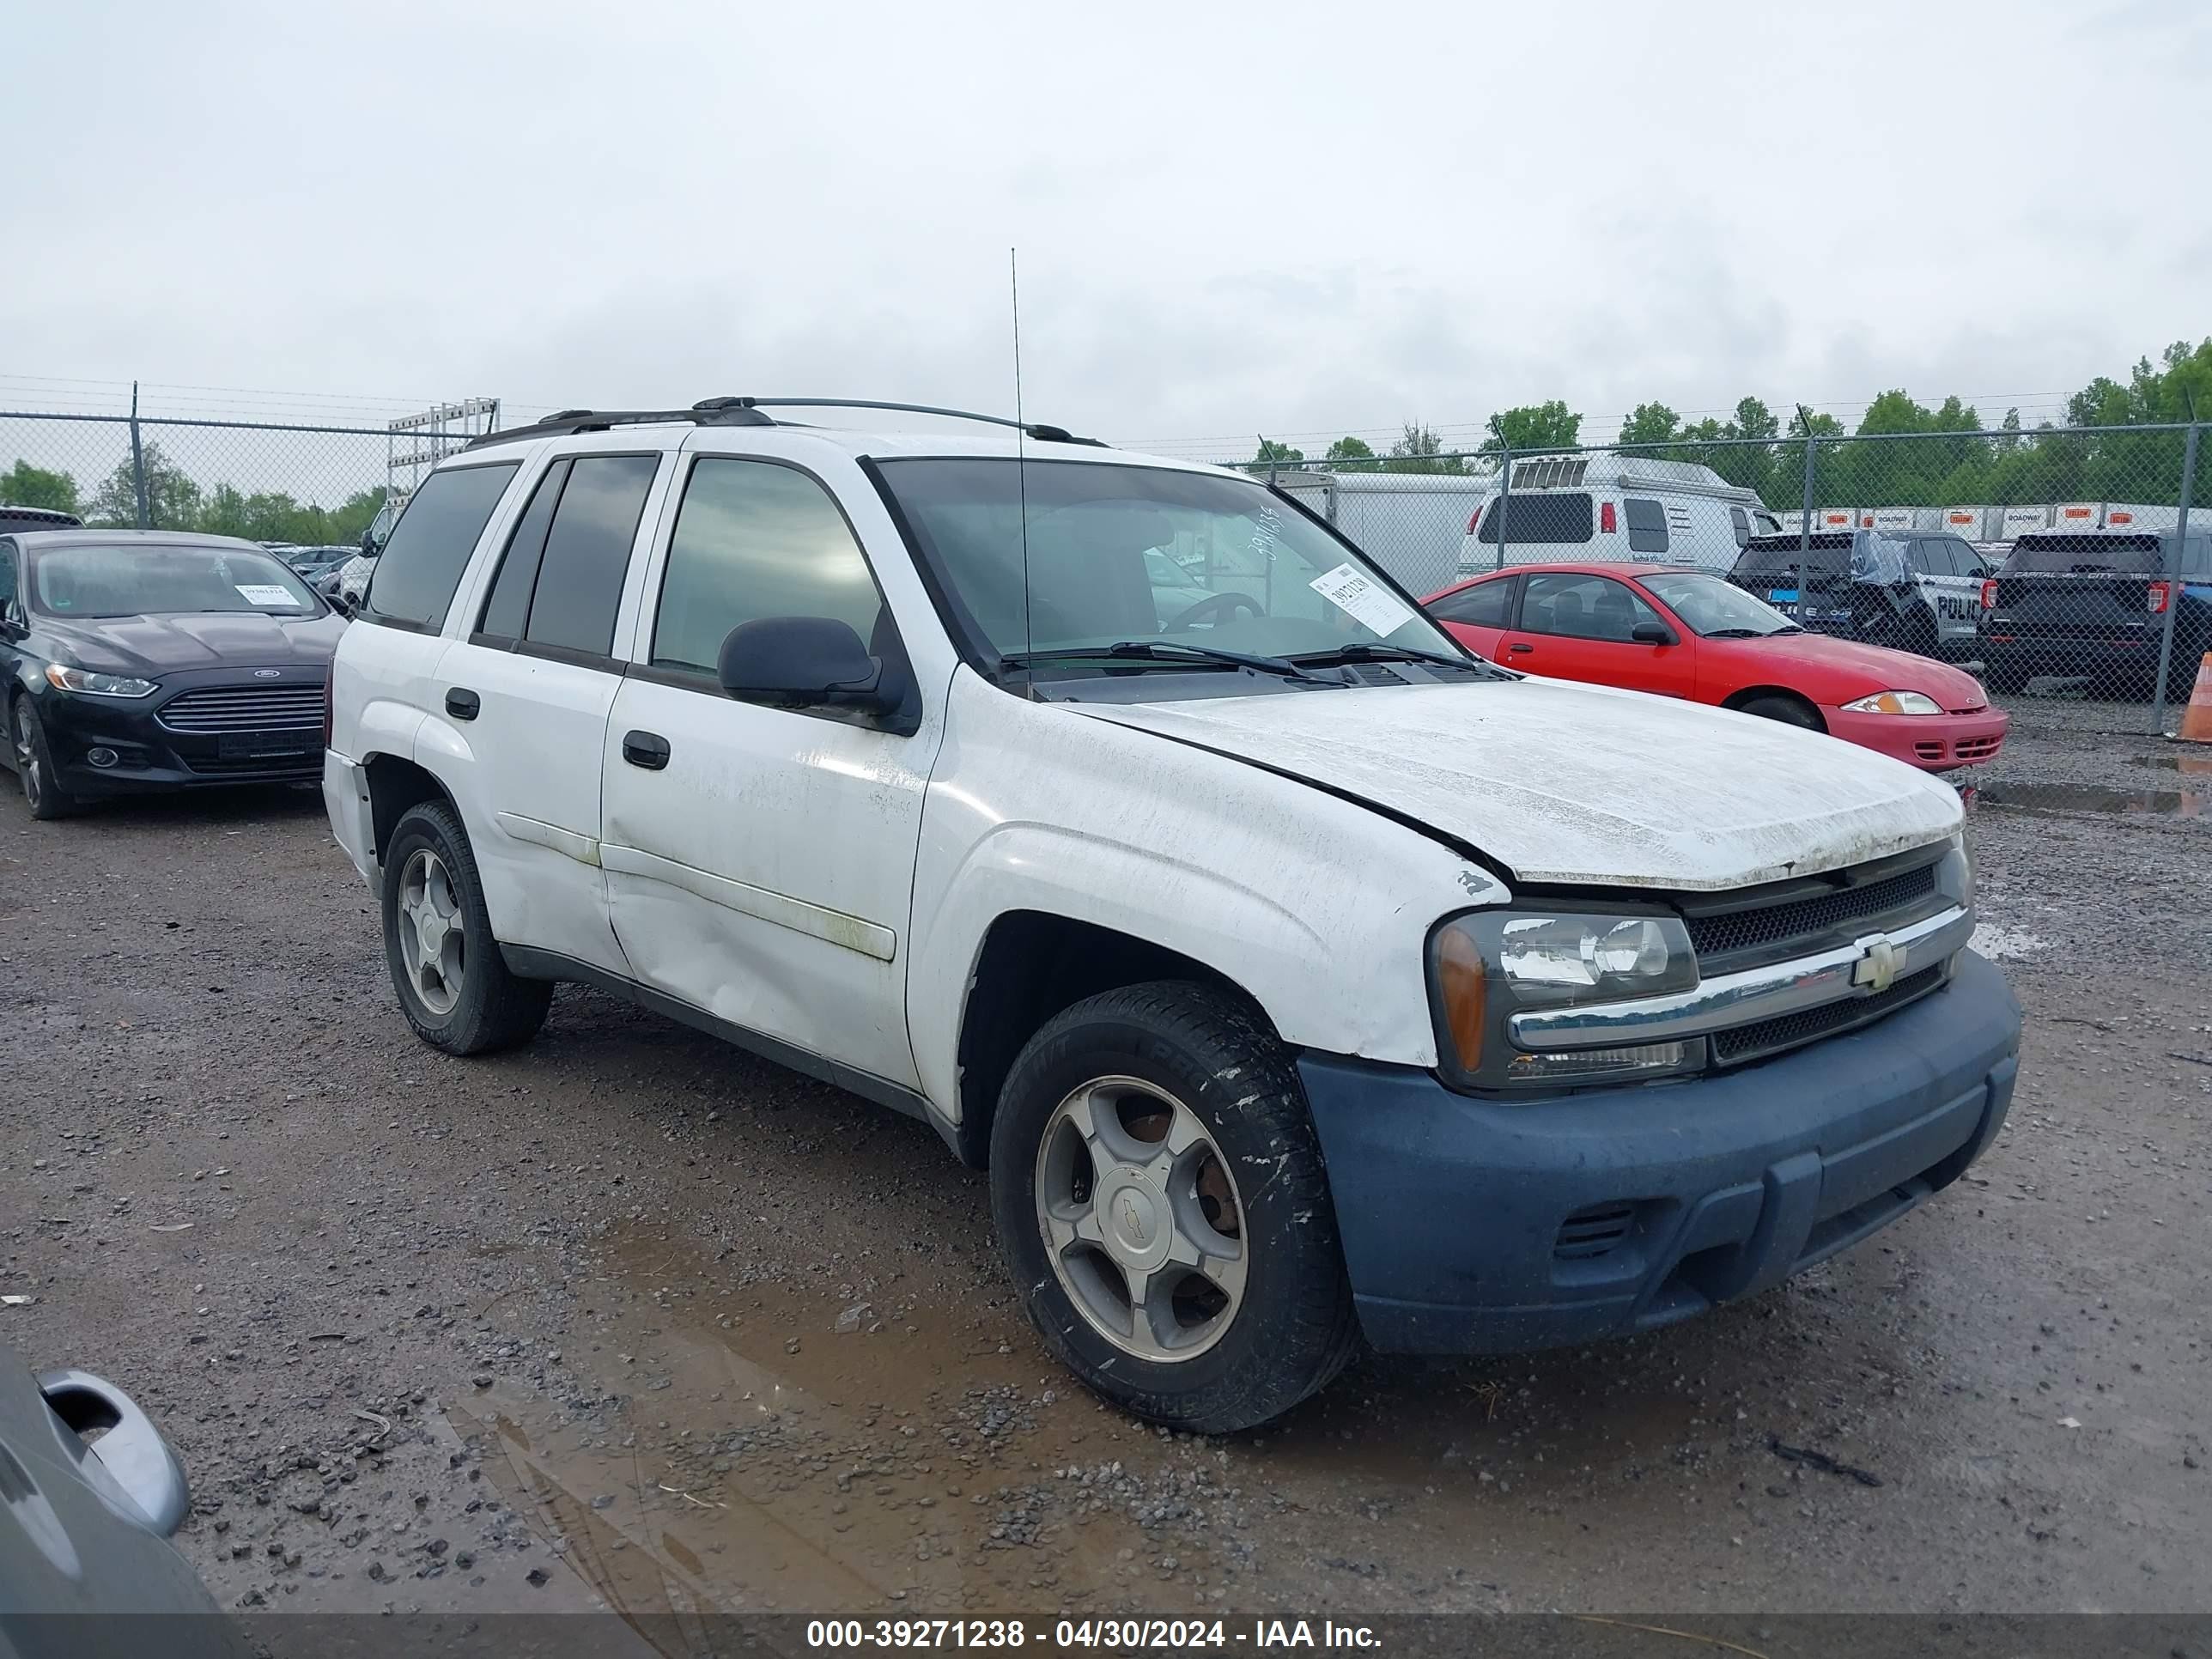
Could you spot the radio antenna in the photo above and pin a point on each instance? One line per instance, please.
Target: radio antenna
(1021, 459)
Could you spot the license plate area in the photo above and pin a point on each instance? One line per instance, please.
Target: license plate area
(267, 745)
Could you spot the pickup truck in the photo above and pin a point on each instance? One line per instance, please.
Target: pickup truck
(1299, 978)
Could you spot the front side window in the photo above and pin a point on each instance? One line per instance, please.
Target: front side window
(166, 579)
(1739, 522)
(1053, 556)
(1647, 525)
(7, 577)
(1555, 517)
(429, 546)
(1576, 607)
(755, 540)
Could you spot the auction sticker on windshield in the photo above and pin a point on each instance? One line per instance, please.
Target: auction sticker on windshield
(263, 593)
(1365, 600)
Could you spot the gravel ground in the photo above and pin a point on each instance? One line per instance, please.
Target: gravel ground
(629, 1318)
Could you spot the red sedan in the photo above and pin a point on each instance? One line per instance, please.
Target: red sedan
(1682, 632)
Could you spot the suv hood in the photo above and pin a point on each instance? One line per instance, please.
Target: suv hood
(152, 646)
(1582, 784)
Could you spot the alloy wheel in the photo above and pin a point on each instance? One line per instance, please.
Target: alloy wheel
(1142, 1219)
(430, 934)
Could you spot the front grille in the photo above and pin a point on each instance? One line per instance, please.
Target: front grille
(1769, 1036)
(309, 764)
(1976, 748)
(294, 707)
(1774, 931)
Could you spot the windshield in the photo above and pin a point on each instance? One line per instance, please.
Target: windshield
(1134, 554)
(157, 579)
(1709, 605)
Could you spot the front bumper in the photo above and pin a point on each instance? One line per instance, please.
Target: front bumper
(150, 758)
(1486, 1226)
(1935, 743)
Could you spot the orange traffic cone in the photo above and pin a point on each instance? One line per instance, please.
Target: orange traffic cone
(2196, 719)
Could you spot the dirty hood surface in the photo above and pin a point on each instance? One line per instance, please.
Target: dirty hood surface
(1573, 783)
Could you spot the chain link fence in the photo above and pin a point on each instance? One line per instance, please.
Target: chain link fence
(308, 487)
(2060, 563)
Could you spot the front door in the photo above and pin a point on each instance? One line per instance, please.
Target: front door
(1575, 626)
(760, 860)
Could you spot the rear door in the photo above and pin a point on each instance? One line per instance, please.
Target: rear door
(528, 690)
(1575, 626)
(1950, 578)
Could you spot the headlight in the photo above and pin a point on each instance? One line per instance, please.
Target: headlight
(1895, 702)
(1486, 966)
(62, 677)
(1954, 876)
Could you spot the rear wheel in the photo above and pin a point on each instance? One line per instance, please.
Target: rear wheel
(453, 985)
(35, 766)
(1160, 1200)
(1790, 711)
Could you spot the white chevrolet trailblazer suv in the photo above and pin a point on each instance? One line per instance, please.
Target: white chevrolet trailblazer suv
(1298, 978)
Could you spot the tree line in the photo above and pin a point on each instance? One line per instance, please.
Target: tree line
(176, 501)
(1947, 467)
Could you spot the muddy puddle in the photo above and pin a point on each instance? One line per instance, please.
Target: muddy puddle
(2195, 803)
(708, 1445)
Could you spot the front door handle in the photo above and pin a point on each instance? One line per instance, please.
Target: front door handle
(1519, 648)
(646, 749)
(462, 704)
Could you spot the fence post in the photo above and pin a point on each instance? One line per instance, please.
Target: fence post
(1504, 495)
(2173, 569)
(138, 462)
(1805, 515)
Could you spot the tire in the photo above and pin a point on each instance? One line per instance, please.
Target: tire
(33, 760)
(468, 1003)
(1790, 711)
(1142, 1057)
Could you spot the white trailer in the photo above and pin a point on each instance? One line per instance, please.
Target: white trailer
(2137, 515)
(1412, 523)
(1973, 524)
(2014, 522)
(2078, 515)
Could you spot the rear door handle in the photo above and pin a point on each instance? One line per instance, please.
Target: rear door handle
(646, 749)
(462, 704)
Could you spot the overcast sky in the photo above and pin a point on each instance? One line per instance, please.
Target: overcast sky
(1230, 219)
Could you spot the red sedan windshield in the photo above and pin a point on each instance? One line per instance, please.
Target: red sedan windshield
(1714, 609)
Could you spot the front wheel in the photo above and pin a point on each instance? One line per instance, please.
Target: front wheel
(454, 986)
(35, 766)
(1161, 1203)
(1790, 711)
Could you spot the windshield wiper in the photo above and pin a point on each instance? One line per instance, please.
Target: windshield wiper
(1148, 652)
(1749, 633)
(1359, 651)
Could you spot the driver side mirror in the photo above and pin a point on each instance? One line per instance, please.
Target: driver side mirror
(1652, 633)
(793, 661)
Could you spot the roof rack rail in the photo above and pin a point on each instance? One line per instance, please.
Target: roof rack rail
(716, 411)
(749, 412)
(1037, 429)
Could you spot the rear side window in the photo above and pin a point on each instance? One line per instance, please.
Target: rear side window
(588, 545)
(1552, 518)
(1483, 605)
(430, 545)
(753, 540)
(1647, 525)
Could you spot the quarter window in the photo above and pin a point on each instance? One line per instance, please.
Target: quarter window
(430, 545)
(754, 540)
(1647, 525)
(587, 546)
(1582, 608)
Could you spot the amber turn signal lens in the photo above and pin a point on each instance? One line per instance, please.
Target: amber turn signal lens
(1463, 981)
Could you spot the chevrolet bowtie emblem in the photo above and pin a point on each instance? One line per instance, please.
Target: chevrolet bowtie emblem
(1876, 970)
